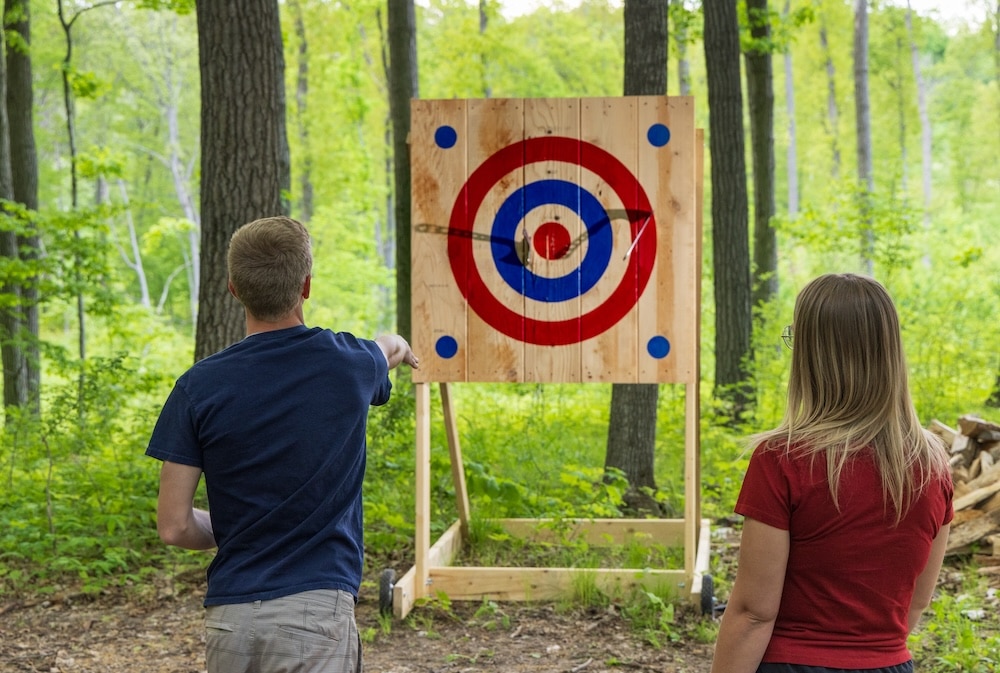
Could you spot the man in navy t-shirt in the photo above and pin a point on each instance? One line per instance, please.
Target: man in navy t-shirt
(277, 424)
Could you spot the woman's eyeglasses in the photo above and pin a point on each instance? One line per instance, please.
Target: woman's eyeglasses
(787, 335)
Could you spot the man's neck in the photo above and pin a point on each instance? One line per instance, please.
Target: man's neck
(255, 326)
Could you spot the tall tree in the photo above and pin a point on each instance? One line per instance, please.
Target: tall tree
(301, 101)
(926, 136)
(994, 399)
(14, 374)
(244, 147)
(402, 87)
(632, 424)
(792, 169)
(863, 128)
(682, 19)
(760, 99)
(24, 190)
(484, 19)
(832, 108)
(730, 238)
(67, 21)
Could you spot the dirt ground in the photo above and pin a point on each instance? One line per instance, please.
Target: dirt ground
(159, 629)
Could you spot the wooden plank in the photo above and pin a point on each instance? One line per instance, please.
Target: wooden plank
(442, 553)
(686, 250)
(447, 547)
(702, 561)
(455, 454)
(975, 497)
(991, 504)
(692, 389)
(692, 474)
(668, 532)
(693, 408)
(946, 433)
(655, 306)
(678, 265)
(438, 173)
(551, 224)
(973, 531)
(979, 429)
(984, 479)
(544, 584)
(610, 355)
(403, 598)
(494, 355)
(422, 486)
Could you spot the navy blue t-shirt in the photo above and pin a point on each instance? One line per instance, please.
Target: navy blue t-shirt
(277, 424)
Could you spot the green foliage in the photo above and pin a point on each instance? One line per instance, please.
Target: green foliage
(77, 502)
(961, 630)
(179, 6)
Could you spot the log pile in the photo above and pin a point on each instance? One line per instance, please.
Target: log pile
(975, 469)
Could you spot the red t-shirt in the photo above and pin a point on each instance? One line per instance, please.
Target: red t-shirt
(851, 573)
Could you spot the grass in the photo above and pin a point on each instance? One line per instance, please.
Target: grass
(960, 632)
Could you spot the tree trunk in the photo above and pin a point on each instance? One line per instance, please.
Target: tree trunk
(402, 87)
(301, 97)
(681, 37)
(730, 246)
(832, 109)
(926, 136)
(760, 99)
(793, 147)
(24, 183)
(483, 58)
(632, 424)
(244, 148)
(70, 109)
(133, 256)
(863, 127)
(994, 399)
(14, 375)
(897, 84)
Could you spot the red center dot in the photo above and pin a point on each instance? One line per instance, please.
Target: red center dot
(551, 240)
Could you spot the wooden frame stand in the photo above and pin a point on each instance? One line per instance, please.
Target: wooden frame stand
(433, 573)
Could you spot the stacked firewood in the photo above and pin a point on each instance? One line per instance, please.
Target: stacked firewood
(975, 469)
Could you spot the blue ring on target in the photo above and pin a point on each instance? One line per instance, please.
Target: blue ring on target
(510, 215)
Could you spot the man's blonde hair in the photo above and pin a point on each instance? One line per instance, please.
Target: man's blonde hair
(269, 260)
(848, 389)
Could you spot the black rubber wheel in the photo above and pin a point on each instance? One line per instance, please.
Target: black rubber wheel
(386, 581)
(707, 596)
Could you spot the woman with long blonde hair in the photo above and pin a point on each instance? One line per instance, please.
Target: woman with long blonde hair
(846, 504)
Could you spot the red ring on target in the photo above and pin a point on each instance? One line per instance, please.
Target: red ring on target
(640, 261)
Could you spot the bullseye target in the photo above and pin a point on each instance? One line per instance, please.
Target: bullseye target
(546, 235)
(512, 246)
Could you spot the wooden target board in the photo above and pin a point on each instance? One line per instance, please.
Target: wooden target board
(555, 240)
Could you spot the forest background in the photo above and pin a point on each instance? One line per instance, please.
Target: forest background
(118, 301)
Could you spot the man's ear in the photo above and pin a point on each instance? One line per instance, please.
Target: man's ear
(306, 286)
(232, 290)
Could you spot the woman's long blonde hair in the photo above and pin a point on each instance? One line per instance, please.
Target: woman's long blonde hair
(848, 389)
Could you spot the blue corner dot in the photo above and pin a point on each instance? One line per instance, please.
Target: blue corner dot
(445, 137)
(446, 347)
(658, 135)
(658, 347)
